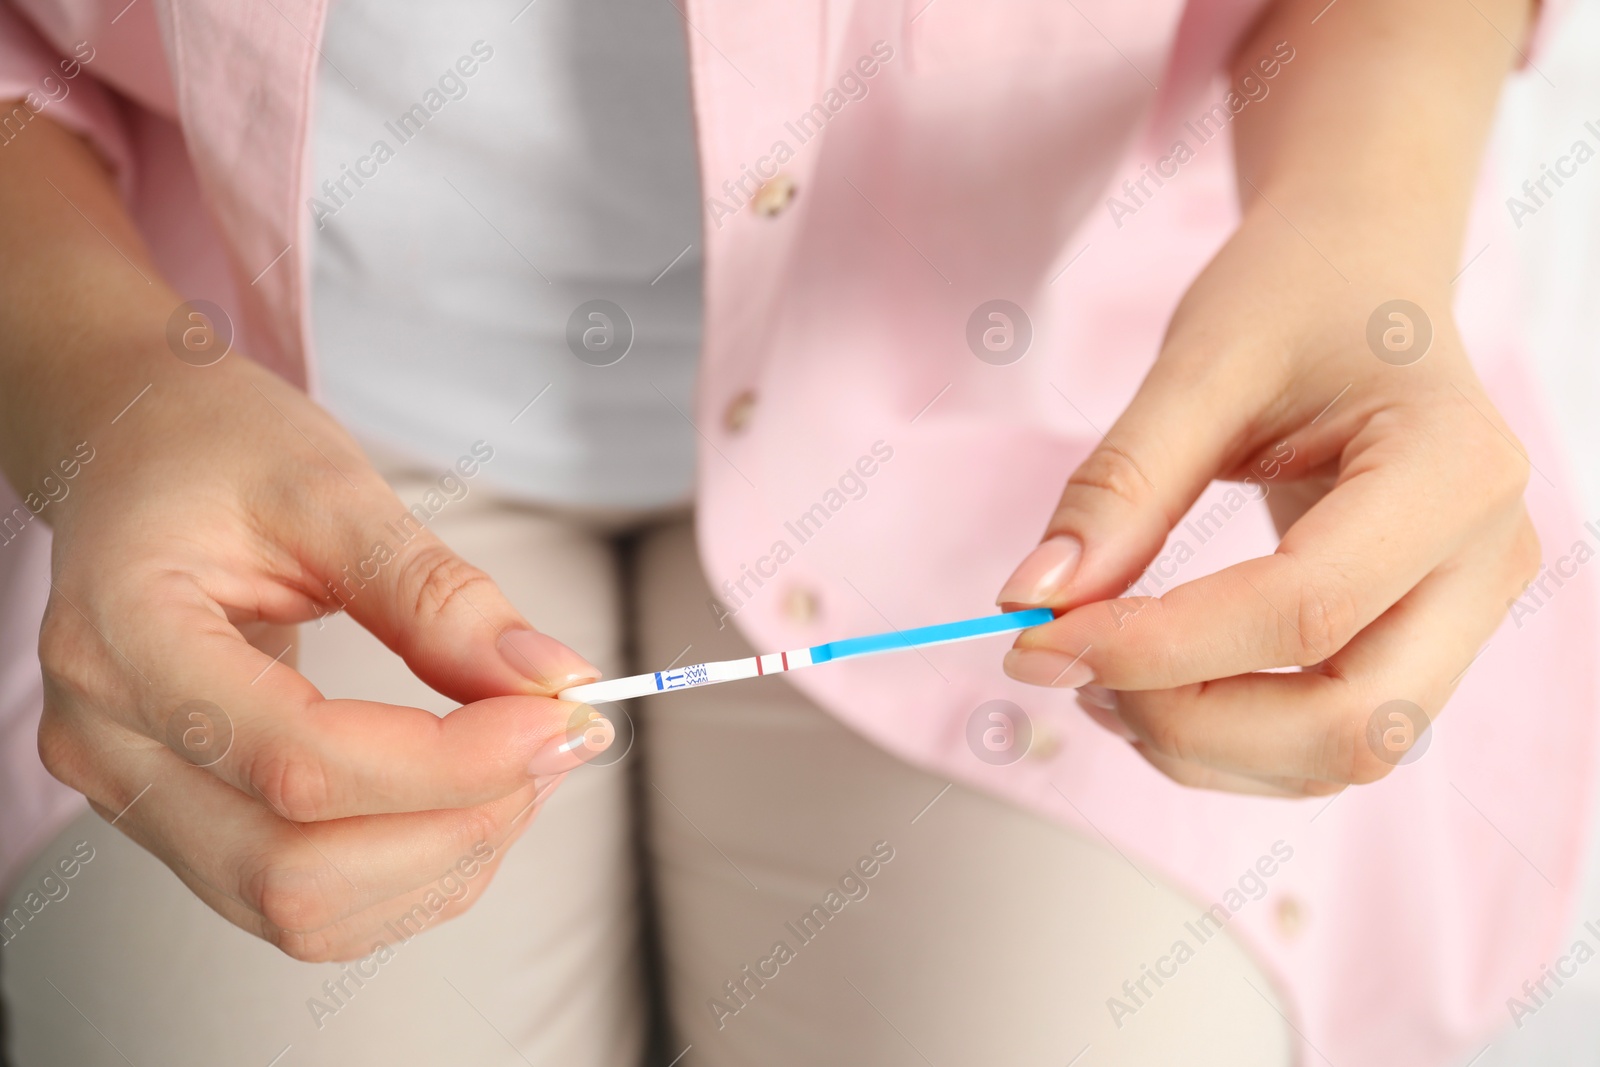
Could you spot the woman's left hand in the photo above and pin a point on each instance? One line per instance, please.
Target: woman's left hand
(1396, 488)
(1315, 361)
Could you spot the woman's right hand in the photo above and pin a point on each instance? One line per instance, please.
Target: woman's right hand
(218, 510)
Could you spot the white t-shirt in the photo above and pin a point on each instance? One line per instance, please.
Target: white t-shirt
(481, 176)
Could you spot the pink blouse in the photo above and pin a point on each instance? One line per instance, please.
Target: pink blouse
(945, 155)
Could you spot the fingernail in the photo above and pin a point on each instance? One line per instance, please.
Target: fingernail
(577, 747)
(544, 660)
(1041, 576)
(1100, 704)
(1038, 666)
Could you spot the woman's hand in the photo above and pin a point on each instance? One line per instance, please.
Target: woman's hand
(1394, 483)
(221, 507)
(226, 507)
(1398, 493)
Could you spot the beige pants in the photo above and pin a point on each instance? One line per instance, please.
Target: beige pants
(657, 887)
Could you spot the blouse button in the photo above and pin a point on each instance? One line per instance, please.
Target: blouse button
(739, 410)
(774, 195)
(1045, 744)
(1291, 917)
(800, 605)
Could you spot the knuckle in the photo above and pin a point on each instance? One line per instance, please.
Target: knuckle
(478, 824)
(293, 782)
(1325, 619)
(1162, 733)
(316, 946)
(316, 482)
(1110, 470)
(330, 470)
(1158, 734)
(1526, 555)
(293, 900)
(1486, 451)
(1503, 472)
(69, 657)
(1349, 758)
(1128, 611)
(1364, 768)
(435, 578)
(61, 750)
(1516, 471)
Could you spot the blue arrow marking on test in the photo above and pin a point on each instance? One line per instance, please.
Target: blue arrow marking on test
(931, 635)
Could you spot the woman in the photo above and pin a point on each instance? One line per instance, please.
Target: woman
(951, 257)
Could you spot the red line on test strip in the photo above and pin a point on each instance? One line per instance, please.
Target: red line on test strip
(759, 669)
(785, 656)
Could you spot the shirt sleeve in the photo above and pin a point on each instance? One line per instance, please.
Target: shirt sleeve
(36, 80)
(1210, 30)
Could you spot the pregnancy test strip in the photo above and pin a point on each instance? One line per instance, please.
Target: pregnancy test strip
(733, 670)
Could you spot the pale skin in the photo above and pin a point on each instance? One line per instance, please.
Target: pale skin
(208, 525)
(1400, 508)
(209, 521)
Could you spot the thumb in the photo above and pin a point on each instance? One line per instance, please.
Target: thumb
(447, 619)
(1126, 496)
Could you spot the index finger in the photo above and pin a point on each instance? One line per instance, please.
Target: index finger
(266, 730)
(1397, 513)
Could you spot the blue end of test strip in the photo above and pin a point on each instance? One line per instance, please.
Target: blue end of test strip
(932, 635)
